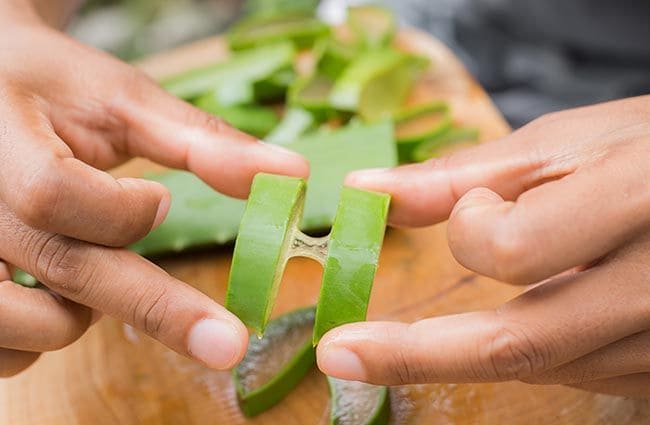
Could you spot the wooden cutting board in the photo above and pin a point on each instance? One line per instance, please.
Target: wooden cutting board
(115, 375)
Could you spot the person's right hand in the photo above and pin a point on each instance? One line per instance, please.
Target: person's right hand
(67, 112)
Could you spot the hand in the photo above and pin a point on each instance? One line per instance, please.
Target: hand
(566, 201)
(66, 113)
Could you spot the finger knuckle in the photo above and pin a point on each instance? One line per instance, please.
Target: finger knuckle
(62, 263)
(510, 353)
(38, 196)
(151, 311)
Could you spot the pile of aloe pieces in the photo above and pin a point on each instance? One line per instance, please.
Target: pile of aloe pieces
(334, 94)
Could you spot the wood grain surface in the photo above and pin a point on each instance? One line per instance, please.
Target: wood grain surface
(115, 375)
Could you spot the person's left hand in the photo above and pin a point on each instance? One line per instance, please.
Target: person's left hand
(565, 200)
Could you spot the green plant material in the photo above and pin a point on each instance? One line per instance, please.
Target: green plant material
(272, 214)
(334, 56)
(235, 77)
(199, 216)
(300, 29)
(415, 125)
(374, 25)
(280, 7)
(356, 403)
(376, 83)
(452, 138)
(275, 365)
(23, 278)
(312, 93)
(294, 124)
(252, 119)
(274, 88)
(354, 247)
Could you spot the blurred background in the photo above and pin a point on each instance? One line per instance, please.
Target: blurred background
(532, 56)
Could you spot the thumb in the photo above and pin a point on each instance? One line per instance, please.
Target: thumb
(173, 133)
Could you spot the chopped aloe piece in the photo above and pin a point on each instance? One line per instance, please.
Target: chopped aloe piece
(418, 124)
(23, 278)
(356, 403)
(454, 137)
(256, 120)
(239, 71)
(275, 87)
(354, 247)
(334, 56)
(280, 7)
(300, 29)
(294, 124)
(272, 215)
(374, 25)
(376, 84)
(275, 365)
(199, 216)
(312, 93)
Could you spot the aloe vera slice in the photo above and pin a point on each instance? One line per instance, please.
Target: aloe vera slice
(23, 278)
(418, 124)
(275, 365)
(294, 124)
(277, 7)
(356, 403)
(275, 87)
(334, 56)
(199, 216)
(256, 120)
(303, 30)
(312, 93)
(376, 84)
(272, 215)
(375, 25)
(240, 71)
(354, 247)
(453, 138)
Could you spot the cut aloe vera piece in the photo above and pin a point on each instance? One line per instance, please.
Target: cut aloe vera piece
(452, 138)
(334, 56)
(354, 247)
(312, 93)
(23, 278)
(376, 84)
(280, 7)
(256, 120)
(418, 124)
(275, 87)
(356, 403)
(234, 76)
(294, 124)
(374, 25)
(302, 30)
(275, 365)
(199, 216)
(272, 215)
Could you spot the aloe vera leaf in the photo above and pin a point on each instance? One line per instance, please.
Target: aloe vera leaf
(23, 278)
(199, 216)
(334, 56)
(354, 247)
(376, 84)
(415, 125)
(435, 147)
(252, 119)
(275, 364)
(300, 29)
(356, 403)
(294, 124)
(280, 7)
(272, 213)
(241, 69)
(374, 25)
(312, 93)
(275, 87)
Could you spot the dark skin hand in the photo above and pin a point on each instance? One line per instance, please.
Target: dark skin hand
(562, 204)
(67, 113)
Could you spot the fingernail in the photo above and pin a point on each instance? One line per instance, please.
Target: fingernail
(216, 343)
(341, 363)
(163, 209)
